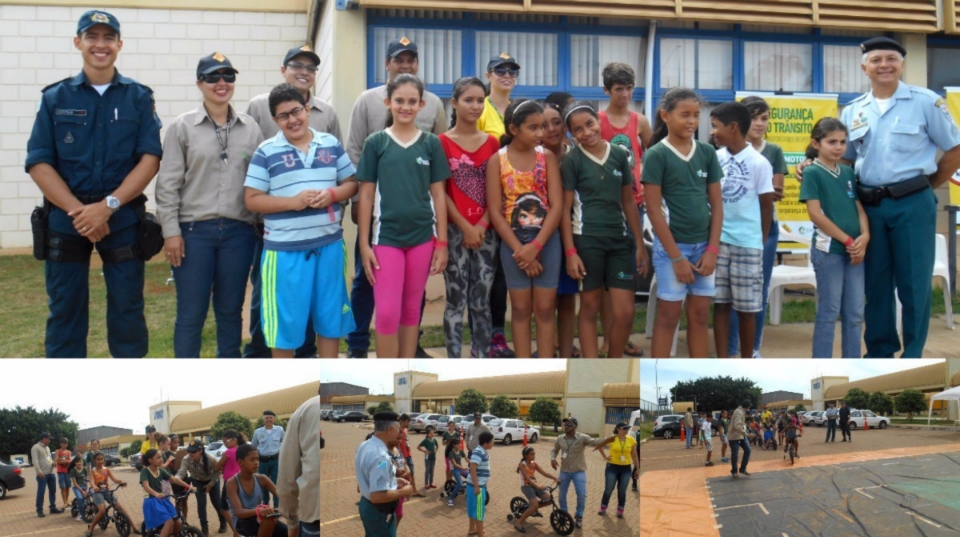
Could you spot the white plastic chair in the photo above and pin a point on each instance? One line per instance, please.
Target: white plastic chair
(940, 270)
(784, 275)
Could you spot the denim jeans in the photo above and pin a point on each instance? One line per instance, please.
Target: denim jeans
(617, 475)
(270, 469)
(690, 432)
(218, 257)
(310, 529)
(579, 484)
(78, 493)
(840, 294)
(257, 347)
(769, 256)
(831, 430)
(428, 467)
(49, 482)
(735, 446)
(201, 496)
(459, 479)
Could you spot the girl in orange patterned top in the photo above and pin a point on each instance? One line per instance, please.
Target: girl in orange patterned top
(524, 201)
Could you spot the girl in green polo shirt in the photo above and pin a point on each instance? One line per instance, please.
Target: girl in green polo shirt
(840, 238)
(598, 205)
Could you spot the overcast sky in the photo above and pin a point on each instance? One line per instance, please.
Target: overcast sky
(770, 375)
(378, 374)
(119, 393)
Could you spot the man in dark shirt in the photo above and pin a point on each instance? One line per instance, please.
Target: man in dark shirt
(845, 422)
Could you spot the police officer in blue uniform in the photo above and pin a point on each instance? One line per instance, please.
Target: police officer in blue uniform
(94, 148)
(895, 131)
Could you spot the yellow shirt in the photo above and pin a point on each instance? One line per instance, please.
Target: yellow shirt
(491, 122)
(147, 446)
(620, 451)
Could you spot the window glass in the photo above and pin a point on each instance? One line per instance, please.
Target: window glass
(696, 63)
(943, 67)
(778, 66)
(841, 69)
(590, 53)
(439, 52)
(535, 52)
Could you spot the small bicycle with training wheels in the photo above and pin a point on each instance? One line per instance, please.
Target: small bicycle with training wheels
(792, 450)
(112, 514)
(452, 484)
(89, 509)
(186, 530)
(560, 520)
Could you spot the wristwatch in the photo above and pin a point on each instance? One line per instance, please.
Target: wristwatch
(113, 203)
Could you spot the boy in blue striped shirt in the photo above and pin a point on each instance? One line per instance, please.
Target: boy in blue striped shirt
(296, 180)
(477, 484)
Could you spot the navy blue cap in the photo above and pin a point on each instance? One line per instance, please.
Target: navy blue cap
(502, 59)
(92, 18)
(213, 62)
(301, 51)
(399, 46)
(882, 43)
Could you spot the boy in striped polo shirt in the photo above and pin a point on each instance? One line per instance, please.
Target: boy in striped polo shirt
(295, 180)
(477, 483)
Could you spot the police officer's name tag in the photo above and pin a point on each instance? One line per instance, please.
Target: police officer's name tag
(68, 112)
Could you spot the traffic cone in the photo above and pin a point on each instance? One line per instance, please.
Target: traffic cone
(524, 436)
(683, 433)
(865, 426)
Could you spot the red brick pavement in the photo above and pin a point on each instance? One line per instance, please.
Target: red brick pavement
(660, 454)
(430, 516)
(18, 513)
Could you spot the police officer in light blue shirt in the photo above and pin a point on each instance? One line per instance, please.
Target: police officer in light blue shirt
(377, 478)
(94, 148)
(267, 440)
(895, 131)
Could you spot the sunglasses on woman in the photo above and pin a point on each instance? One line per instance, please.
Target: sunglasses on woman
(513, 72)
(213, 78)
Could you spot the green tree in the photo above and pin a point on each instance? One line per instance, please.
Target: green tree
(277, 422)
(881, 403)
(384, 406)
(470, 401)
(910, 402)
(231, 420)
(799, 408)
(125, 452)
(857, 398)
(717, 393)
(135, 446)
(544, 411)
(20, 429)
(371, 410)
(503, 407)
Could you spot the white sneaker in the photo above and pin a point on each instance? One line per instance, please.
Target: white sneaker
(79, 518)
(449, 503)
(756, 354)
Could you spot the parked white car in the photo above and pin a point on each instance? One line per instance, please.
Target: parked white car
(421, 422)
(817, 417)
(442, 422)
(873, 421)
(510, 430)
(215, 449)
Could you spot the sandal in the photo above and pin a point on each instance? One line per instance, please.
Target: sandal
(632, 350)
(575, 353)
(520, 529)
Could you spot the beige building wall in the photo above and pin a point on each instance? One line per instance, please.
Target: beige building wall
(585, 380)
(161, 47)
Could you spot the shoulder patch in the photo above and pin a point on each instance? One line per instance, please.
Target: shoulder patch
(942, 105)
(55, 84)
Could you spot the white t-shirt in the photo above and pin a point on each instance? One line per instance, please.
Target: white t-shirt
(883, 105)
(707, 427)
(101, 88)
(746, 176)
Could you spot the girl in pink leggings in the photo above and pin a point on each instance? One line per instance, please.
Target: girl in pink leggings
(402, 172)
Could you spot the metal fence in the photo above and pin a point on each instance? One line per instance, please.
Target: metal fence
(649, 411)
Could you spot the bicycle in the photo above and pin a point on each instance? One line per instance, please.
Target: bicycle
(274, 515)
(451, 484)
(112, 514)
(560, 520)
(89, 509)
(186, 530)
(792, 450)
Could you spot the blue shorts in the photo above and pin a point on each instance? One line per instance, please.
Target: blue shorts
(550, 256)
(64, 481)
(668, 288)
(567, 285)
(302, 285)
(476, 507)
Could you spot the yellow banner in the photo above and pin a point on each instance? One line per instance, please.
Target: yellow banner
(791, 121)
(953, 103)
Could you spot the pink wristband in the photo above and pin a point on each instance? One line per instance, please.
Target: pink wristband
(571, 251)
(536, 243)
(484, 224)
(330, 210)
(713, 249)
(848, 242)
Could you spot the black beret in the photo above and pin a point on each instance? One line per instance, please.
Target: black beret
(882, 43)
(386, 416)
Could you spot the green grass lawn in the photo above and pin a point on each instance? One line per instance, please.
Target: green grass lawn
(23, 291)
(922, 420)
(646, 430)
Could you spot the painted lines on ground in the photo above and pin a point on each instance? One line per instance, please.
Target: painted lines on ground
(762, 508)
(920, 518)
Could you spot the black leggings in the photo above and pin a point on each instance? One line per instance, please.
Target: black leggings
(214, 495)
(498, 298)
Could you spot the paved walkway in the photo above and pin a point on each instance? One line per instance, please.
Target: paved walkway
(430, 516)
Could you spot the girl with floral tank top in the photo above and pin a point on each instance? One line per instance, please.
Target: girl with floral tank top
(472, 245)
(522, 179)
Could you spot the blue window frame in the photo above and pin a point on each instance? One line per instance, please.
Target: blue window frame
(616, 414)
(470, 25)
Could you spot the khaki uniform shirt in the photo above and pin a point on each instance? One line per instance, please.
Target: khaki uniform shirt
(298, 479)
(194, 184)
(323, 117)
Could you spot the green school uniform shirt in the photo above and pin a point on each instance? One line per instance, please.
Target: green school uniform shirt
(684, 181)
(455, 436)
(403, 213)
(431, 447)
(80, 476)
(597, 186)
(156, 483)
(837, 196)
(774, 153)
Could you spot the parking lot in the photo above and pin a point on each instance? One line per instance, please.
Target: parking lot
(430, 516)
(660, 454)
(18, 512)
